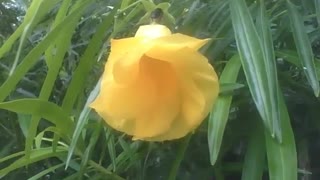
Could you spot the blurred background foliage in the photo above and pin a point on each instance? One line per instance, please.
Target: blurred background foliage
(265, 124)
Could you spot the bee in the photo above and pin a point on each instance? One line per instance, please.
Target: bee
(156, 15)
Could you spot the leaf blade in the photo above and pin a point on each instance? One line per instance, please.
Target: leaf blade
(282, 157)
(304, 48)
(219, 115)
(256, 67)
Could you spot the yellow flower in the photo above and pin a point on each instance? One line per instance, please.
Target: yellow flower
(156, 86)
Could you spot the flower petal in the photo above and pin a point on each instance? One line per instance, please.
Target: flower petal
(193, 104)
(159, 119)
(120, 106)
(120, 47)
(123, 61)
(209, 85)
(146, 108)
(177, 130)
(184, 59)
(152, 31)
(198, 85)
(180, 40)
(125, 101)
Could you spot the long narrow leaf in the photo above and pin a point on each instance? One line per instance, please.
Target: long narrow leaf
(256, 66)
(36, 11)
(86, 63)
(36, 155)
(44, 109)
(317, 6)
(303, 46)
(293, 58)
(34, 55)
(282, 157)
(83, 119)
(88, 152)
(266, 41)
(254, 161)
(40, 11)
(220, 113)
(46, 171)
(54, 63)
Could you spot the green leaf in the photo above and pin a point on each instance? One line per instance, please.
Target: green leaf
(219, 115)
(223, 34)
(24, 123)
(293, 58)
(58, 48)
(107, 174)
(111, 148)
(229, 87)
(11, 156)
(266, 41)
(125, 4)
(256, 66)
(180, 155)
(317, 6)
(42, 9)
(44, 109)
(119, 25)
(303, 46)
(129, 153)
(254, 161)
(35, 54)
(82, 121)
(46, 171)
(36, 11)
(282, 157)
(36, 155)
(55, 130)
(88, 152)
(77, 83)
(60, 45)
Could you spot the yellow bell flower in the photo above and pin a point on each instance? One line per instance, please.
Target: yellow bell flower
(156, 85)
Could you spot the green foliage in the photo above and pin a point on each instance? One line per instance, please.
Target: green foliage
(264, 124)
(220, 113)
